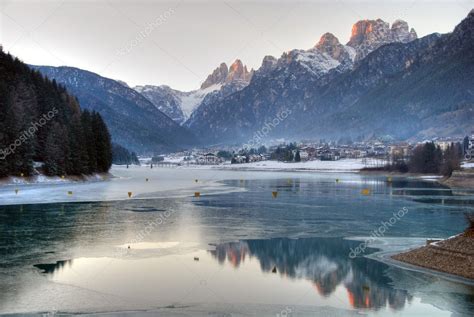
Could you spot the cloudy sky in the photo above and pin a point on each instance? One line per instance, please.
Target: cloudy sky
(178, 43)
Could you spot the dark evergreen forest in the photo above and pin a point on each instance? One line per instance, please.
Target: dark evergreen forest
(41, 122)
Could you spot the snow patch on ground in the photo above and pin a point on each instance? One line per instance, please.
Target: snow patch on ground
(467, 165)
(346, 165)
(316, 62)
(172, 159)
(42, 179)
(351, 51)
(190, 101)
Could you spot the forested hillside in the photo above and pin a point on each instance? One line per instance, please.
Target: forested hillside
(43, 128)
(134, 122)
(122, 156)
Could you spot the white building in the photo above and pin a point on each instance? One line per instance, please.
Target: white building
(304, 155)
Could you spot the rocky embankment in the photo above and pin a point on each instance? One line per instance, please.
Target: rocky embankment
(454, 255)
(463, 178)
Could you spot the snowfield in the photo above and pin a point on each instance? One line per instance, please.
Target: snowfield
(346, 165)
(467, 165)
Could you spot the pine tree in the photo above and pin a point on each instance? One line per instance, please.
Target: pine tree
(77, 156)
(90, 141)
(466, 144)
(121, 155)
(103, 143)
(56, 149)
(4, 137)
(297, 157)
(451, 159)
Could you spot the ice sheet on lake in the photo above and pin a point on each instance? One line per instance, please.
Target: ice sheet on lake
(141, 182)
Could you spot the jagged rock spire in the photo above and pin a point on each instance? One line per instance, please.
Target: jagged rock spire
(224, 74)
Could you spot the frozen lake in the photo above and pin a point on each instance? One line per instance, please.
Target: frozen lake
(235, 250)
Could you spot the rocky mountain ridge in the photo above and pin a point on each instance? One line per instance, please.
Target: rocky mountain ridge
(179, 105)
(295, 81)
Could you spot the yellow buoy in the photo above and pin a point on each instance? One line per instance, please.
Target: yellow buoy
(274, 194)
(69, 193)
(16, 191)
(21, 174)
(197, 194)
(62, 176)
(129, 194)
(365, 191)
(389, 179)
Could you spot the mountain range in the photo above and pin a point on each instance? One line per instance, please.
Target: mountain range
(384, 82)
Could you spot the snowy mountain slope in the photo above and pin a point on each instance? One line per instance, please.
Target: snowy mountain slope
(179, 105)
(191, 100)
(165, 99)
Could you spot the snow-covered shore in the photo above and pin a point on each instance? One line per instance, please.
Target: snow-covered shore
(42, 179)
(345, 165)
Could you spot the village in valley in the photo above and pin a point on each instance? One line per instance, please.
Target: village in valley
(374, 153)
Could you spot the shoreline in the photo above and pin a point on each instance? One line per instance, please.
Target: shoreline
(452, 256)
(460, 179)
(51, 180)
(389, 247)
(463, 179)
(285, 170)
(387, 258)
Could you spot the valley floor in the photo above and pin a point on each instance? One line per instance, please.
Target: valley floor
(345, 165)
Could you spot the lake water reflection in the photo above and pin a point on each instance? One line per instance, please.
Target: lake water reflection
(241, 252)
(310, 272)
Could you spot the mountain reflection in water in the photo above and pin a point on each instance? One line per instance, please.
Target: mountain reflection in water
(324, 262)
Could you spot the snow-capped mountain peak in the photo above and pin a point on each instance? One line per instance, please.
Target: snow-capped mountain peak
(315, 61)
(179, 105)
(368, 35)
(326, 55)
